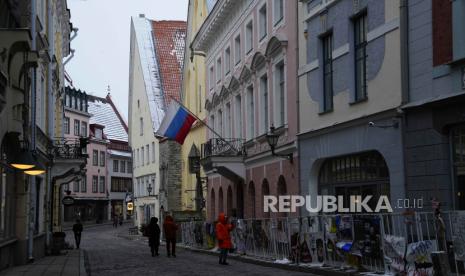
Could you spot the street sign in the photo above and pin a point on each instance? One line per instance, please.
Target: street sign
(67, 200)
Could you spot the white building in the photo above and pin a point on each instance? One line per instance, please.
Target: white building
(156, 55)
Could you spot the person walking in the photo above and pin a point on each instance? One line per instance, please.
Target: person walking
(170, 229)
(77, 230)
(115, 221)
(224, 238)
(153, 232)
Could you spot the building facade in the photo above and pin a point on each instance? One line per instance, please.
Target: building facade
(251, 67)
(35, 40)
(156, 56)
(434, 116)
(193, 97)
(350, 130)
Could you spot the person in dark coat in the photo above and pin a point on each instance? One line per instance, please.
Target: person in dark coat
(153, 232)
(77, 229)
(224, 238)
(170, 229)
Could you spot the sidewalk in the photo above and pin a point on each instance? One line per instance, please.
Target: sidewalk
(71, 263)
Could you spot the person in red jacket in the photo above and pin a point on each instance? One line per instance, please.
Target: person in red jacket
(224, 239)
(170, 235)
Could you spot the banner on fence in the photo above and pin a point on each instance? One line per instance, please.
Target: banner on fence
(394, 251)
(418, 257)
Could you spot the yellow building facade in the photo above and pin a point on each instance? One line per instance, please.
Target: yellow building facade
(193, 97)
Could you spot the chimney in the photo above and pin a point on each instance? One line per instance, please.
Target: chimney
(141, 15)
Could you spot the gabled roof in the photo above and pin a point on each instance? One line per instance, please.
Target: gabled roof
(169, 37)
(104, 113)
(161, 51)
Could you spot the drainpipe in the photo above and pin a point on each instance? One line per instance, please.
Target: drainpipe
(75, 33)
(405, 80)
(32, 179)
(51, 118)
(297, 53)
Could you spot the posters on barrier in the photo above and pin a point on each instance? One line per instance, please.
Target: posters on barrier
(418, 257)
(394, 251)
(459, 236)
(238, 237)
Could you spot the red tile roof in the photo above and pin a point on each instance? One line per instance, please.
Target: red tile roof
(169, 43)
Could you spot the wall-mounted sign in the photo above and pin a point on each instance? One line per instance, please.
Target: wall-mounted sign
(67, 200)
(130, 206)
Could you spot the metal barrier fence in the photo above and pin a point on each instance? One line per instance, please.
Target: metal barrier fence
(395, 243)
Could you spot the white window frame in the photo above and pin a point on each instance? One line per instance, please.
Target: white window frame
(250, 122)
(262, 36)
(249, 48)
(219, 74)
(237, 56)
(280, 60)
(264, 114)
(238, 116)
(211, 77)
(278, 21)
(227, 60)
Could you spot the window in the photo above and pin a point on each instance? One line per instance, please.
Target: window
(238, 116)
(122, 167)
(138, 104)
(83, 185)
(262, 21)
(147, 153)
(199, 94)
(76, 127)
(360, 39)
(102, 159)
(142, 156)
(115, 165)
(212, 124)
(101, 187)
(249, 37)
(141, 125)
(327, 73)
(153, 152)
(129, 167)
(227, 61)
(278, 11)
(95, 157)
(212, 78)
(121, 184)
(227, 121)
(237, 49)
(67, 100)
(66, 125)
(458, 157)
(138, 158)
(220, 122)
(218, 70)
(279, 95)
(76, 186)
(250, 113)
(98, 133)
(94, 184)
(264, 103)
(84, 129)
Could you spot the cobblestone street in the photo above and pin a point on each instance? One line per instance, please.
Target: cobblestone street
(110, 253)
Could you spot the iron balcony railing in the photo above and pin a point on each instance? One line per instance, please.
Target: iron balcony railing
(223, 147)
(68, 148)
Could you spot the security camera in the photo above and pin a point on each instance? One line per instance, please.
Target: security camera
(371, 124)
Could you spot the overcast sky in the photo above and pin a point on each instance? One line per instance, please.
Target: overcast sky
(102, 44)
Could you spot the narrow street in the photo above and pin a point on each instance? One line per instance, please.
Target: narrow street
(109, 253)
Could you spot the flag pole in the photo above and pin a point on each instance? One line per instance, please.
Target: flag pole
(201, 121)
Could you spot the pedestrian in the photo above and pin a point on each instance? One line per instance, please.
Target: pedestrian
(170, 229)
(115, 221)
(120, 219)
(224, 239)
(153, 232)
(77, 229)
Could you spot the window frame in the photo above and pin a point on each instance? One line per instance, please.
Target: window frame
(249, 44)
(276, 20)
(360, 55)
(95, 181)
(102, 159)
(77, 127)
(66, 125)
(95, 157)
(262, 15)
(116, 166)
(237, 49)
(327, 67)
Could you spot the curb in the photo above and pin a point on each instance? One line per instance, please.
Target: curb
(318, 271)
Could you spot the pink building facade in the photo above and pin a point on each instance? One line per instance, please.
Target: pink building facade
(251, 58)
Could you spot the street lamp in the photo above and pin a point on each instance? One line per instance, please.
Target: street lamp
(149, 189)
(24, 160)
(272, 139)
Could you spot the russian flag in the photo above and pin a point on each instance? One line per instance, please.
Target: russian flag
(176, 123)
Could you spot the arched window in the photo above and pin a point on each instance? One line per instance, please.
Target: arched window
(212, 205)
(251, 200)
(220, 201)
(356, 174)
(229, 201)
(265, 192)
(282, 189)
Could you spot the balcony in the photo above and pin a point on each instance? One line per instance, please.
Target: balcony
(67, 148)
(225, 157)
